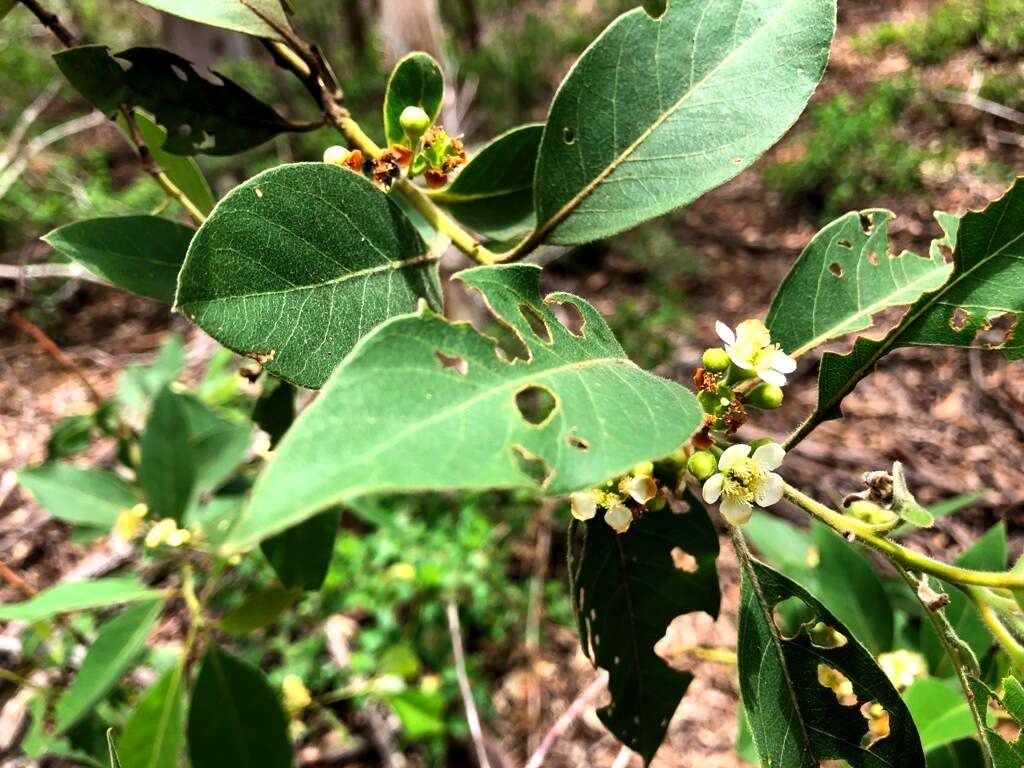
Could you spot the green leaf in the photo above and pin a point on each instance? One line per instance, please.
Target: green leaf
(77, 596)
(182, 171)
(301, 555)
(942, 509)
(297, 263)
(845, 276)
(6, 6)
(784, 544)
(215, 117)
(167, 468)
(141, 383)
(235, 717)
(940, 711)
(217, 446)
(274, 411)
(987, 281)
(796, 721)
(626, 591)
(417, 81)
(92, 497)
(427, 404)
(987, 553)
(1005, 754)
(245, 16)
(658, 111)
(69, 436)
(421, 714)
(141, 254)
(154, 733)
(493, 193)
(259, 609)
(116, 647)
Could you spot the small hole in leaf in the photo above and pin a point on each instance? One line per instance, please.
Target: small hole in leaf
(997, 332)
(836, 268)
(873, 257)
(536, 404)
(455, 363)
(684, 561)
(532, 466)
(824, 636)
(958, 320)
(578, 442)
(846, 244)
(791, 615)
(536, 323)
(184, 129)
(867, 224)
(838, 683)
(569, 135)
(569, 315)
(510, 347)
(737, 161)
(878, 723)
(179, 72)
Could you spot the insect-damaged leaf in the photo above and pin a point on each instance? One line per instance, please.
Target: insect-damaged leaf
(844, 277)
(299, 262)
(212, 116)
(246, 16)
(626, 590)
(796, 718)
(987, 282)
(417, 81)
(659, 111)
(423, 404)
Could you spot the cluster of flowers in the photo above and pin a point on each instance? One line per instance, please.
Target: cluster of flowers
(622, 499)
(163, 533)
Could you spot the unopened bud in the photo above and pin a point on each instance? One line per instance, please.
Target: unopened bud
(716, 360)
(336, 155)
(765, 396)
(414, 122)
(702, 464)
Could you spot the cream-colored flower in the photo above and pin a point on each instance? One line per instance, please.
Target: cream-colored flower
(743, 480)
(750, 348)
(619, 517)
(126, 527)
(903, 667)
(583, 505)
(167, 532)
(641, 488)
(295, 694)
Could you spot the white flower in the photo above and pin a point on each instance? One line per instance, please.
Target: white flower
(619, 517)
(750, 348)
(583, 504)
(743, 480)
(903, 667)
(642, 488)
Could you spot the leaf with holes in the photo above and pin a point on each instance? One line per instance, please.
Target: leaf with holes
(1005, 754)
(299, 262)
(796, 720)
(846, 276)
(493, 194)
(987, 282)
(211, 116)
(142, 254)
(247, 16)
(425, 404)
(626, 590)
(417, 81)
(658, 111)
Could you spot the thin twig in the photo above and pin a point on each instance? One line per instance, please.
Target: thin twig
(12, 172)
(567, 718)
(974, 101)
(14, 580)
(26, 326)
(472, 717)
(623, 758)
(48, 270)
(25, 121)
(51, 22)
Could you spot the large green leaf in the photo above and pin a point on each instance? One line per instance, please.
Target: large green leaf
(427, 404)
(217, 446)
(626, 591)
(154, 733)
(658, 111)
(167, 468)
(301, 555)
(987, 281)
(237, 15)
(299, 262)
(142, 254)
(215, 117)
(182, 171)
(844, 277)
(795, 720)
(77, 596)
(493, 194)
(116, 647)
(417, 81)
(235, 718)
(940, 711)
(92, 497)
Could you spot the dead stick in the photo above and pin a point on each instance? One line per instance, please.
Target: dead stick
(567, 718)
(472, 717)
(28, 327)
(16, 581)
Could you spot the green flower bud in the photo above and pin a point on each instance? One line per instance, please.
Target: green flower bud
(414, 122)
(871, 513)
(702, 464)
(765, 396)
(336, 155)
(715, 360)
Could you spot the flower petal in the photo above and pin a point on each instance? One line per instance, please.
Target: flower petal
(770, 456)
(712, 490)
(772, 377)
(731, 455)
(782, 362)
(619, 517)
(770, 491)
(738, 358)
(583, 505)
(725, 333)
(735, 511)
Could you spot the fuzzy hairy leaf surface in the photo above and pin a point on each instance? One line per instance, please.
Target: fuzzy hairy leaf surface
(201, 115)
(844, 277)
(626, 590)
(298, 263)
(416, 81)
(425, 404)
(987, 282)
(658, 111)
(795, 720)
(246, 16)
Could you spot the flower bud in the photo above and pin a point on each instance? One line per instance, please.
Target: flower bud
(765, 396)
(336, 155)
(414, 122)
(715, 360)
(871, 513)
(702, 465)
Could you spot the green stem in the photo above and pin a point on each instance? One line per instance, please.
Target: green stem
(995, 625)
